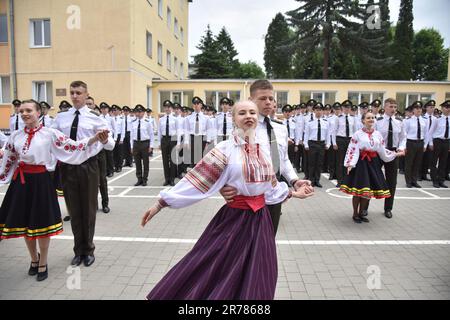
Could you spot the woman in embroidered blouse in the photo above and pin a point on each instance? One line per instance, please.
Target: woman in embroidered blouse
(30, 207)
(364, 179)
(235, 258)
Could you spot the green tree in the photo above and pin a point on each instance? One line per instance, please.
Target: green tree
(277, 63)
(319, 23)
(430, 59)
(404, 37)
(227, 54)
(208, 62)
(251, 70)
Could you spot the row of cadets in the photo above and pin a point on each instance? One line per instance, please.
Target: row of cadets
(170, 139)
(142, 138)
(45, 119)
(105, 109)
(125, 136)
(118, 124)
(428, 110)
(300, 135)
(289, 122)
(299, 121)
(15, 121)
(332, 152)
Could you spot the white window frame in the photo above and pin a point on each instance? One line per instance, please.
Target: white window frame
(160, 8)
(46, 90)
(160, 53)
(182, 35)
(7, 37)
(181, 70)
(419, 94)
(169, 60)
(32, 40)
(147, 44)
(175, 66)
(217, 98)
(360, 93)
(169, 18)
(175, 27)
(1, 90)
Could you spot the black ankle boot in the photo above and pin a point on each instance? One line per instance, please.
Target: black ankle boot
(41, 276)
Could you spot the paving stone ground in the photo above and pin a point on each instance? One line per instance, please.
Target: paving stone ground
(130, 260)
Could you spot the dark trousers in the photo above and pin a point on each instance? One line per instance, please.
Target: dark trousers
(390, 171)
(275, 214)
(332, 162)
(413, 160)
(401, 164)
(440, 153)
(197, 146)
(168, 144)
(298, 158)
(426, 163)
(341, 171)
(141, 154)
(180, 159)
(118, 154)
(109, 162)
(315, 159)
(102, 181)
(80, 192)
(305, 162)
(127, 149)
(291, 153)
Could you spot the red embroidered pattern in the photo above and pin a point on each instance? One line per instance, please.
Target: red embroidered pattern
(207, 171)
(255, 167)
(70, 146)
(12, 158)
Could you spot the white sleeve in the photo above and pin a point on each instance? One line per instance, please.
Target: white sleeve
(305, 142)
(352, 155)
(385, 154)
(205, 180)
(402, 137)
(151, 134)
(102, 126)
(9, 161)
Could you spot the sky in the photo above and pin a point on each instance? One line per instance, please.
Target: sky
(247, 21)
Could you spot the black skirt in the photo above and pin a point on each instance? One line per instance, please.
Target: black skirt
(30, 210)
(366, 180)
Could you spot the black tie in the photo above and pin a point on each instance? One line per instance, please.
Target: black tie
(43, 121)
(139, 131)
(446, 129)
(390, 135)
(126, 124)
(167, 126)
(17, 122)
(275, 155)
(74, 128)
(319, 129)
(197, 125)
(430, 122)
(289, 128)
(347, 127)
(419, 135)
(312, 117)
(224, 124)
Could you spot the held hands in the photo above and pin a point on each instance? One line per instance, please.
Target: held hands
(102, 136)
(303, 192)
(400, 153)
(228, 193)
(348, 170)
(149, 215)
(335, 147)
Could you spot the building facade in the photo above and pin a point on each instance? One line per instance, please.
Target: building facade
(118, 47)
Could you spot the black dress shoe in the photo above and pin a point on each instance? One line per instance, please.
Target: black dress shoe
(110, 175)
(388, 214)
(319, 185)
(409, 185)
(144, 184)
(34, 267)
(426, 178)
(364, 213)
(166, 183)
(357, 220)
(106, 209)
(88, 260)
(416, 185)
(364, 219)
(436, 185)
(66, 218)
(139, 183)
(41, 276)
(76, 261)
(447, 178)
(443, 185)
(172, 184)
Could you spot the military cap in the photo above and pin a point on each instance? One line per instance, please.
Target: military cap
(231, 102)
(197, 100)
(337, 106)
(287, 108)
(168, 103)
(355, 108)
(177, 106)
(417, 105)
(104, 105)
(148, 110)
(114, 107)
(311, 102)
(65, 104)
(302, 105)
(347, 104)
(225, 101)
(184, 109)
(45, 105)
(446, 104)
(318, 106)
(139, 108)
(364, 105)
(430, 103)
(118, 108)
(97, 108)
(16, 102)
(126, 108)
(376, 103)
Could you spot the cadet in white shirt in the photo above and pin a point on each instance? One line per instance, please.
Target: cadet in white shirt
(125, 136)
(289, 122)
(317, 140)
(118, 152)
(15, 121)
(224, 121)
(45, 119)
(428, 154)
(196, 129)
(105, 109)
(439, 143)
(142, 139)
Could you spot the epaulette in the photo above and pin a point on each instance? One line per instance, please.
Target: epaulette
(93, 112)
(12, 115)
(398, 118)
(62, 111)
(146, 120)
(293, 120)
(380, 118)
(51, 117)
(324, 119)
(277, 121)
(341, 115)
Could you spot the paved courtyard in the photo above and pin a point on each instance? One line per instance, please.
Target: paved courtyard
(322, 254)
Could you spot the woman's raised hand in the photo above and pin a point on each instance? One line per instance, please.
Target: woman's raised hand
(149, 215)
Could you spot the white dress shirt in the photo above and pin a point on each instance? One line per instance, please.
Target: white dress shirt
(411, 129)
(311, 131)
(438, 127)
(292, 123)
(12, 122)
(173, 127)
(398, 131)
(146, 131)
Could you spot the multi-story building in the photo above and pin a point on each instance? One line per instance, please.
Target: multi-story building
(118, 47)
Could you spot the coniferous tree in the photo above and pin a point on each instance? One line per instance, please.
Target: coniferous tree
(208, 62)
(227, 53)
(404, 37)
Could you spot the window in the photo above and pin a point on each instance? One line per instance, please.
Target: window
(181, 35)
(181, 71)
(213, 97)
(3, 28)
(169, 18)
(182, 97)
(149, 45)
(406, 99)
(357, 97)
(175, 27)
(149, 97)
(160, 53)
(175, 66)
(282, 99)
(40, 33)
(42, 91)
(169, 60)
(323, 97)
(160, 8)
(447, 96)
(5, 90)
